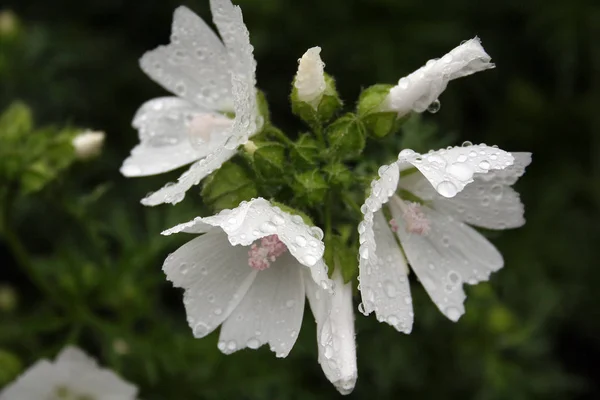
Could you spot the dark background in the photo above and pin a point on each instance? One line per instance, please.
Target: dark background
(532, 332)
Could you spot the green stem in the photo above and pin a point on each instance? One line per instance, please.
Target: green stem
(280, 135)
(350, 202)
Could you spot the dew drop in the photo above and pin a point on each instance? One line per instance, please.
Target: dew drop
(434, 107)
(447, 189)
(460, 171)
(309, 260)
(393, 320)
(484, 165)
(184, 268)
(361, 309)
(218, 311)
(200, 330)
(407, 300)
(278, 220)
(467, 143)
(253, 343)
(221, 345)
(453, 313)
(390, 289)
(461, 158)
(268, 227)
(231, 345)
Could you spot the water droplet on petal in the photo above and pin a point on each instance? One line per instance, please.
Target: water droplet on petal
(218, 311)
(200, 330)
(253, 343)
(460, 171)
(278, 220)
(447, 189)
(453, 313)
(184, 268)
(390, 289)
(467, 143)
(300, 240)
(309, 260)
(221, 345)
(268, 227)
(484, 165)
(231, 345)
(434, 107)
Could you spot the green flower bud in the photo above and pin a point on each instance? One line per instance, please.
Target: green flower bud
(228, 186)
(310, 187)
(346, 137)
(370, 105)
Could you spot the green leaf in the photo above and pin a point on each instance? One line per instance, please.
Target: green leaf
(339, 254)
(310, 187)
(338, 175)
(228, 186)
(11, 367)
(15, 123)
(269, 160)
(346, 137)
(305, 152)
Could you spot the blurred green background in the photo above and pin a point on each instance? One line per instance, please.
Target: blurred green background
(533, 332)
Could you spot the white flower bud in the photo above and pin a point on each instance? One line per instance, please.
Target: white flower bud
(310, 79)
(88, 144)
(420, 90)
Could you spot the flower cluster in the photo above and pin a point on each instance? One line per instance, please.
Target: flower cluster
(253, 262)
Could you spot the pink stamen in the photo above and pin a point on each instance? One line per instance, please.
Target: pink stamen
(416, 220)
(260, 256)
(394, 225)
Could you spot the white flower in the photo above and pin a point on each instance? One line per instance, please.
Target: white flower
(74, 375)
(310, 78)
(88, 144)
(250, 272)
(335, 331)
(430, 207)
(210, 78)
(420, 90)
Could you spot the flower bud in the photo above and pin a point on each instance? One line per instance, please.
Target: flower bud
(310, 79)
(314, 97)
(419, 91)
(88, 144)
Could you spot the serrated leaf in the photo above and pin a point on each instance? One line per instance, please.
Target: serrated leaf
(346, 137)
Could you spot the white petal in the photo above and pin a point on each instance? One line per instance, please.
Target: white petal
(165, 144)
(384, 277)
(452, 253)
(271, 312)
(215, 276)
(336, 344)
(418, 90)
(194, 65)
(230, 24)
(175, 192)
(310, 78)
(382, 189)
(450, 170)
(258, 218)
(74, 371)
(488, 202)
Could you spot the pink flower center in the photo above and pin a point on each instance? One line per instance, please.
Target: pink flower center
(261, 255)
(394, 225)
(416, 220)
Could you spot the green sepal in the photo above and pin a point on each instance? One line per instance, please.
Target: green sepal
(328, 105)
(269, 160)
(305, 152)
(338, 175)
(378, 123)
(310, 187)
(228, 186)
(263, 107)
(339, 254)
(346, 137)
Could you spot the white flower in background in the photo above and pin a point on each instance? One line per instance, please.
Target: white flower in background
(310, 78)
(250, 272)
(430, 206)
(73, 375)
(211, 79)
(419, 91)
(88, 144)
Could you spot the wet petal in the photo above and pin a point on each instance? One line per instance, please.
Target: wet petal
(450, 170)
(452, 253)
(215, 276)
(271, 312)
(336, 345)
(194, 66)
(383, 275)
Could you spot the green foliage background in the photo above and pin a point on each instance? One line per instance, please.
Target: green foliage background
(94, 275)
